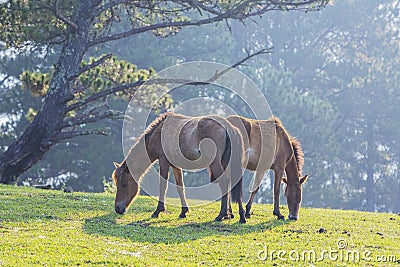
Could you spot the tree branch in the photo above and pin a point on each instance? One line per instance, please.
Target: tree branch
(249, 56)
(126, 86)
(110, 5)
(101, 94)
(298, 3)
(92, 65)
(236, 12)
(237, 64)
(71, 134)
(61, 17)
(4, 79)
(90, 118)
(201, 6)
(162, 25)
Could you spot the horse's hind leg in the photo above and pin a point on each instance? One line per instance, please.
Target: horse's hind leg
(180, 187)
(277, 188)
(224, 212)
(164, 171)
(230, 213)
(237, 195)
(241, 211)
(254, 189)
(218, 176)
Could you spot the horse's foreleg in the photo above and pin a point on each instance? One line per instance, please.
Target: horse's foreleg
(254, 189)
(164, 171)
(250, 202)
(278, 172)
(230, 214)
(180, 187)
(241, 211)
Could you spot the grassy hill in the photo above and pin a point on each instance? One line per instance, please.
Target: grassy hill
(52, 228)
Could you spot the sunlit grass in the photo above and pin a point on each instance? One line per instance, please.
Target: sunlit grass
(52, 228)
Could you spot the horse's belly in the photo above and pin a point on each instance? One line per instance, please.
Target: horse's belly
(253, 157)
(192, 154)
(260, 158)
(190, 159)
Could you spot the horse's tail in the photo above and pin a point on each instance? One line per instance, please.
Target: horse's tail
(233, 157)
(236, 191)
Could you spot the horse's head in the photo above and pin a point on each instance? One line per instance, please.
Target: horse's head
(127, 187)
(293, 192)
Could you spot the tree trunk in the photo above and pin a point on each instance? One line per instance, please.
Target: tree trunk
(37, 138)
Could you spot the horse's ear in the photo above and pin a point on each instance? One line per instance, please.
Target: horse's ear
(116, 165)
(284, 180)
(303, 179)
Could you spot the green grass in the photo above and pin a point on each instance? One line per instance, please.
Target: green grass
(52, 228)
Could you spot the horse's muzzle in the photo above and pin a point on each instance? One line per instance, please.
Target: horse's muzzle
(292, 218)
(120, 209)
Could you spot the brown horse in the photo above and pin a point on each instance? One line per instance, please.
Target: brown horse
(269, 146)
(183, 142)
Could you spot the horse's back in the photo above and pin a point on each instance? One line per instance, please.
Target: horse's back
(261, 141)
(181, 138)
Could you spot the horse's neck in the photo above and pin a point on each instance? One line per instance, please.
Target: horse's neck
(291, 170)
(138, 160)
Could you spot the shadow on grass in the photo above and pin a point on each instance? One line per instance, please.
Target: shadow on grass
(150, 230)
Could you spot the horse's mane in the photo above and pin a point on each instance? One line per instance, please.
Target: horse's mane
(154, 125)
(148, 132)
(298, 151)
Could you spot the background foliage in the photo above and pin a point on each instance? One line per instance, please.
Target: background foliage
(332, 78)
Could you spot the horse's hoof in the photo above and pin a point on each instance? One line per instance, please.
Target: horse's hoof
(279, 215)
(219, 218)
(242, 220)
(247, 215)
(183, 212)
(228, 216)
(155, 214)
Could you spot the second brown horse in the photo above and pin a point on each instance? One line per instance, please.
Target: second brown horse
(269, 146)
